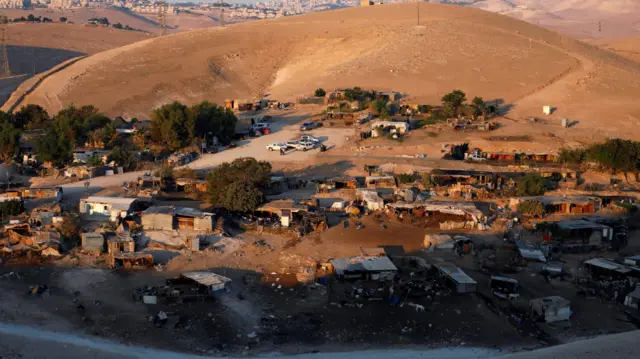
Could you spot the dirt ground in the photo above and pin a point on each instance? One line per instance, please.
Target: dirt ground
(268, 311)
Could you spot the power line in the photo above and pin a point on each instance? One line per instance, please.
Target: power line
(162, 16)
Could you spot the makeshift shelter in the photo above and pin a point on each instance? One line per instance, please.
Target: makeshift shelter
(286, 210)
(461, 282)
(92, 241)
(373, 182)
(362, 267)
(447, 215)
(371, 200)
(212, 281)
(169, 217)
(554, 204)
(131, 260)
(603, 267)
(393, 127)
(551, 309)
(633, 299)
(113, 207)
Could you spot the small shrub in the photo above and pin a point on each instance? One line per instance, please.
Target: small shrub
(532, 184)
(320, 92)
(432, 134)
(531, 207)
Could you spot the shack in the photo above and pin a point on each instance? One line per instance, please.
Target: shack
(92, 241)
(379, 128)
(214, 283)
(370, 199)
(590, 232)
(461, 282)
(375, 182)
(112, 207)
(606, 268)
(336, 183)
(446, 215)
(364, 267)
(286, 210)
(633, 299)
(131, 260)
(120, 243)
(553, 204)
(170, 217)
(551, 309)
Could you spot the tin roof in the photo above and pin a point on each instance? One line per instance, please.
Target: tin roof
(115, 202)
(363, 264)
(206, 278)
(456, 274)
(532, 254)
(608, 264)
(581, 224)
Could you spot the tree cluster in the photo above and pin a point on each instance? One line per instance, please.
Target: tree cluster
(238, 186)
(531, 207)
(99, 20)
(177, 125)
(615, 155)
(454, 104)
(71, 127)
(531, 184)
(32, 18)
(11, 208)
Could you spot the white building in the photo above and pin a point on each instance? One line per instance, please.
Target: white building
(108, 206)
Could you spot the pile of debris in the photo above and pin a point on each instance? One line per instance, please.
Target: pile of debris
(20, 240)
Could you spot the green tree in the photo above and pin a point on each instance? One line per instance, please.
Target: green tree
(320, 92)
(31, 117)
(208, 118)
(70, 229)
(241, 196)
(531, 184)
(11, 208)
(248, 171)
(94, 161)
(453, 101)
(380, 107)
(480, 107)
(531, 207)
(170, 125)
(54, 145)
(63, 19)
(9, 140)
(123, 157)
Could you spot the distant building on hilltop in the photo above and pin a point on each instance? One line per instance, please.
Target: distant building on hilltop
(370, 2)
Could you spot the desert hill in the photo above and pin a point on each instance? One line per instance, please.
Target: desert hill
(628, 47)
(71, 37)
(143, 22)
(380, 47)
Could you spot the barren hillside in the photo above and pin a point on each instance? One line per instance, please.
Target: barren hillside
(70, 37)
(378, 47)
(628, 47)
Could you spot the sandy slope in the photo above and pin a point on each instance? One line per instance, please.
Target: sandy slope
(628, 47)
(379, 47)
(72, 37)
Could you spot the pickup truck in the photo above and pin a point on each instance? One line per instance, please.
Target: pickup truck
(309, 138)
(276, 146)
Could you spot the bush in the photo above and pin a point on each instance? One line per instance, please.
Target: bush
(320, 92)
(246, 175)
(531, 207)
(70, 230)
(532, 184)
(407, 177)
(164, 172)
(11, 208)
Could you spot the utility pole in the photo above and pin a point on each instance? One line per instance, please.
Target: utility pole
(162, 16)
(5, 70)
(221, 13)
(418, 12)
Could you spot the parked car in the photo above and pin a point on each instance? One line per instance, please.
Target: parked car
(305, 146)
(293, 144)
(310, 125)
(309, 138)
(259, 126)
(276, 146)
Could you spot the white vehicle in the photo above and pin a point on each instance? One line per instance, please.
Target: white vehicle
(293, 144)
(276, 146)
(305, 146)
(309, 138)
(259, 126)
(474, 157)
